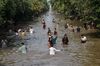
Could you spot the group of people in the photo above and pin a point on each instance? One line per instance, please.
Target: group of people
(89, 25)
(52, 37)
(72, 28)
(22, 33)
(78, 30)
(52, 41)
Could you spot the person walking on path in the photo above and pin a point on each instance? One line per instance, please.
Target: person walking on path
(65, 40)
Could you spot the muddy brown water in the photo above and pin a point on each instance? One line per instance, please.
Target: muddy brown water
(75, 54)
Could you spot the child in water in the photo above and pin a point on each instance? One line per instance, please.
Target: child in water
(52, 50)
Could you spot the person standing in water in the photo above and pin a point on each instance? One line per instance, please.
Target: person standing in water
(54, 40)
(44, 24)
(78, 29)
(83, 39)
(66, 26)
(49, 42)
(49, 31)
(52, 50)
(23, 48)
(31, 30)
(53, 20)
(4, 43)
(65, 40)
(55, 32)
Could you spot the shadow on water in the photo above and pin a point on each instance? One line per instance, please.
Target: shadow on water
(94, 34)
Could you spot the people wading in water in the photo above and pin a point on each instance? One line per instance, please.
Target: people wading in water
(65, 40)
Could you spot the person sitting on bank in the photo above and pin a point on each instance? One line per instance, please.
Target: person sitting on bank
(83, 39)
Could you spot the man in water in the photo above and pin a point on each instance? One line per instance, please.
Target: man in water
(23, 48)
(78, 29)
(54, 40)
(65, 40)
(31, 30)
(83, 39)
(55, 32)
(52, 50)
(49, 31)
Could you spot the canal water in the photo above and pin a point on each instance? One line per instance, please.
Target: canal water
(75, 54)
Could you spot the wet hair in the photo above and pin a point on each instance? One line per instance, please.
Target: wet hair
(22, 43)
(65, 34)
(82, 34)
(51, 36)
(55, 28)
(51, 45)
(48, 28)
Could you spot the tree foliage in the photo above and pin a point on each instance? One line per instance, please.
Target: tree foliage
(17, 10)
(88, 10)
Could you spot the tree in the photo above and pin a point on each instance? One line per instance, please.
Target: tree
(87, 10)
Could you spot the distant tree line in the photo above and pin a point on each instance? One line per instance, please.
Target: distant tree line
(85, 10)
(17, 10)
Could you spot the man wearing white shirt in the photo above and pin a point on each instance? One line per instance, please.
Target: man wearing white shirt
(83, 39)
(52, 50)
(31, 30)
